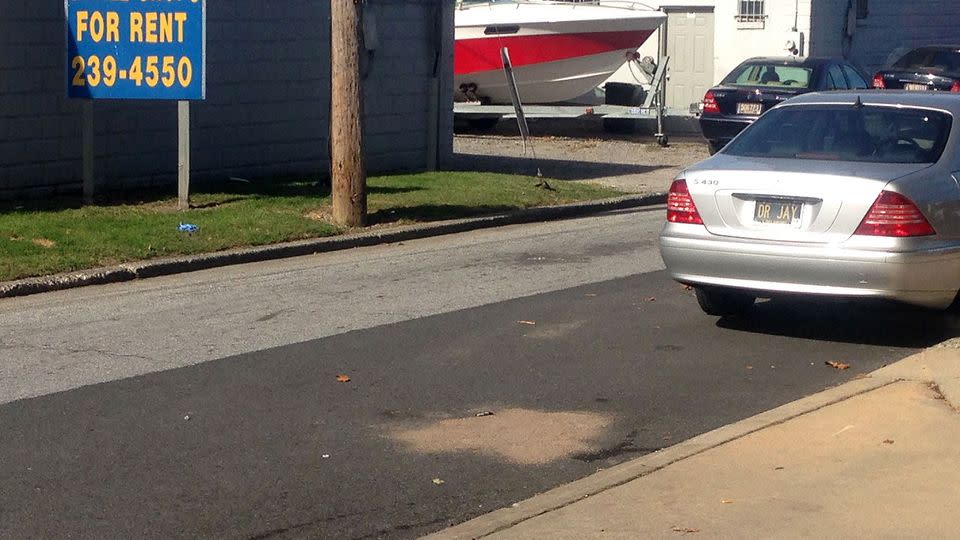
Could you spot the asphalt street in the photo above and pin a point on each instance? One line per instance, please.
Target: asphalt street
(483, 368)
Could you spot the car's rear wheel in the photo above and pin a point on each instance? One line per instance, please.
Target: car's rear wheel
(724, 302)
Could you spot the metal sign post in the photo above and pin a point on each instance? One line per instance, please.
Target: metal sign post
(136, 50)
(183, 155)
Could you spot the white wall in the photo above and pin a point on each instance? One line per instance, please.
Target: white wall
(651, 47)
(736, 41)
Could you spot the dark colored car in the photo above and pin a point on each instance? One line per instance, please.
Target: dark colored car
(759, 84)
(935, 67)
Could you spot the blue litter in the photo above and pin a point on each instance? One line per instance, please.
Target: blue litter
(188, 228)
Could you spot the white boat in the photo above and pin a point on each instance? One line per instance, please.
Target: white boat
(559, 49)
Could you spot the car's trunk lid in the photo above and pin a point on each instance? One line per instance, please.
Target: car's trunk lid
(750, 101)
(908, 79)
(790, 200)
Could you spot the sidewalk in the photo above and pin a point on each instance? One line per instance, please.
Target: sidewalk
(874, 458)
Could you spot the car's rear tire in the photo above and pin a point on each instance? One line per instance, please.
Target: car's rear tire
(724, 302)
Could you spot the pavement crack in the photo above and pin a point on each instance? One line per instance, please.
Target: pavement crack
(402, 527)
(61, 350)
(939, 395)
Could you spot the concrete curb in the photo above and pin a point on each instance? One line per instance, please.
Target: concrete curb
(565, 495)
(162, 267)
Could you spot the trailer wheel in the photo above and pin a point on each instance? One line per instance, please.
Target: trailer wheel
(663, 141)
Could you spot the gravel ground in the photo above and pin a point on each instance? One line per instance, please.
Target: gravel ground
(579, 151)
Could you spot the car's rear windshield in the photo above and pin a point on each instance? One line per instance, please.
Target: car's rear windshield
(930, 60)
(768, 74)
(871, 133)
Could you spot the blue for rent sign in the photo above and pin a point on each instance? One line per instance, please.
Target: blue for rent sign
(136, 49)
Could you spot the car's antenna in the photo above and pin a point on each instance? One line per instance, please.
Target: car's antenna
(858, 104)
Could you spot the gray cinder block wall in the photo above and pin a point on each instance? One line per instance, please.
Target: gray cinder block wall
(267, 107)
(890, 28)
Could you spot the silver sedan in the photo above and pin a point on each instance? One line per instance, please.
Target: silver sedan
(845, 194)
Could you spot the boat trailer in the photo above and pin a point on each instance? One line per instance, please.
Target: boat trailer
(653, 106)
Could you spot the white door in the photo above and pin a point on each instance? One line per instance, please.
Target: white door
(689, 43)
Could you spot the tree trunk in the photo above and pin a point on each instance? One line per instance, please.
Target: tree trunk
(348, 174)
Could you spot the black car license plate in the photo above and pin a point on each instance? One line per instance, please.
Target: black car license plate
(779, 212)
(752, 109)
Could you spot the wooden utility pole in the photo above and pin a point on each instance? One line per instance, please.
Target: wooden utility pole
(348, 174)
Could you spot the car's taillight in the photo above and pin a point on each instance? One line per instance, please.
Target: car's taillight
(892, 214)
(878, 81)
(710, 103)
(955, 87)
(680, 207)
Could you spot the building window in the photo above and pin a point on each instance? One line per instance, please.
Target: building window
(862, 10)
(750, 11)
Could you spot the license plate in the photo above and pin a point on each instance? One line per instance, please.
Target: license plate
(915, 86)
(778, 212)
(749, 108)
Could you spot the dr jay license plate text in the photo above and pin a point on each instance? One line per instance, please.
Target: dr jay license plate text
(778, 212)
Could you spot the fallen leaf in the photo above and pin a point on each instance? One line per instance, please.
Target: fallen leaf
(748, 366)
(837, 365)
(685, 530)
(484, 413)
(778, 468)
(888, 441)
(438, 481)
(343, 378)
(528, 323)
(652, 299)
(726, 501)
(687, 288)
(590, 295)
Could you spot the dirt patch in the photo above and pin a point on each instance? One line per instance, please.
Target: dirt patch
(553, 331)
(580, 153)
(324, 214)
(521, 436)
(44, 243)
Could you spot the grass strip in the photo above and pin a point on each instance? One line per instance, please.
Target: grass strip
(60, 236)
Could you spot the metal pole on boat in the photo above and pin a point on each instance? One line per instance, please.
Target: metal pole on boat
(518, 108)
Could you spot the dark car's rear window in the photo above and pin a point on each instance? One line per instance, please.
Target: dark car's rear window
(847, 133)
(930, 60)
(768, 74)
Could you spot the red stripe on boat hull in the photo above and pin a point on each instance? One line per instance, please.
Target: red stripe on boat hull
(483, 54)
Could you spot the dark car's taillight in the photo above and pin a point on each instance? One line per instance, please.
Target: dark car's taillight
(955, 87)
(710, 103)
(893, 214)
(878, 81)
(680, 207)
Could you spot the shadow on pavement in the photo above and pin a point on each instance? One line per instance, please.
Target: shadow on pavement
(555, 169)
(866, 322)
(434, 212)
